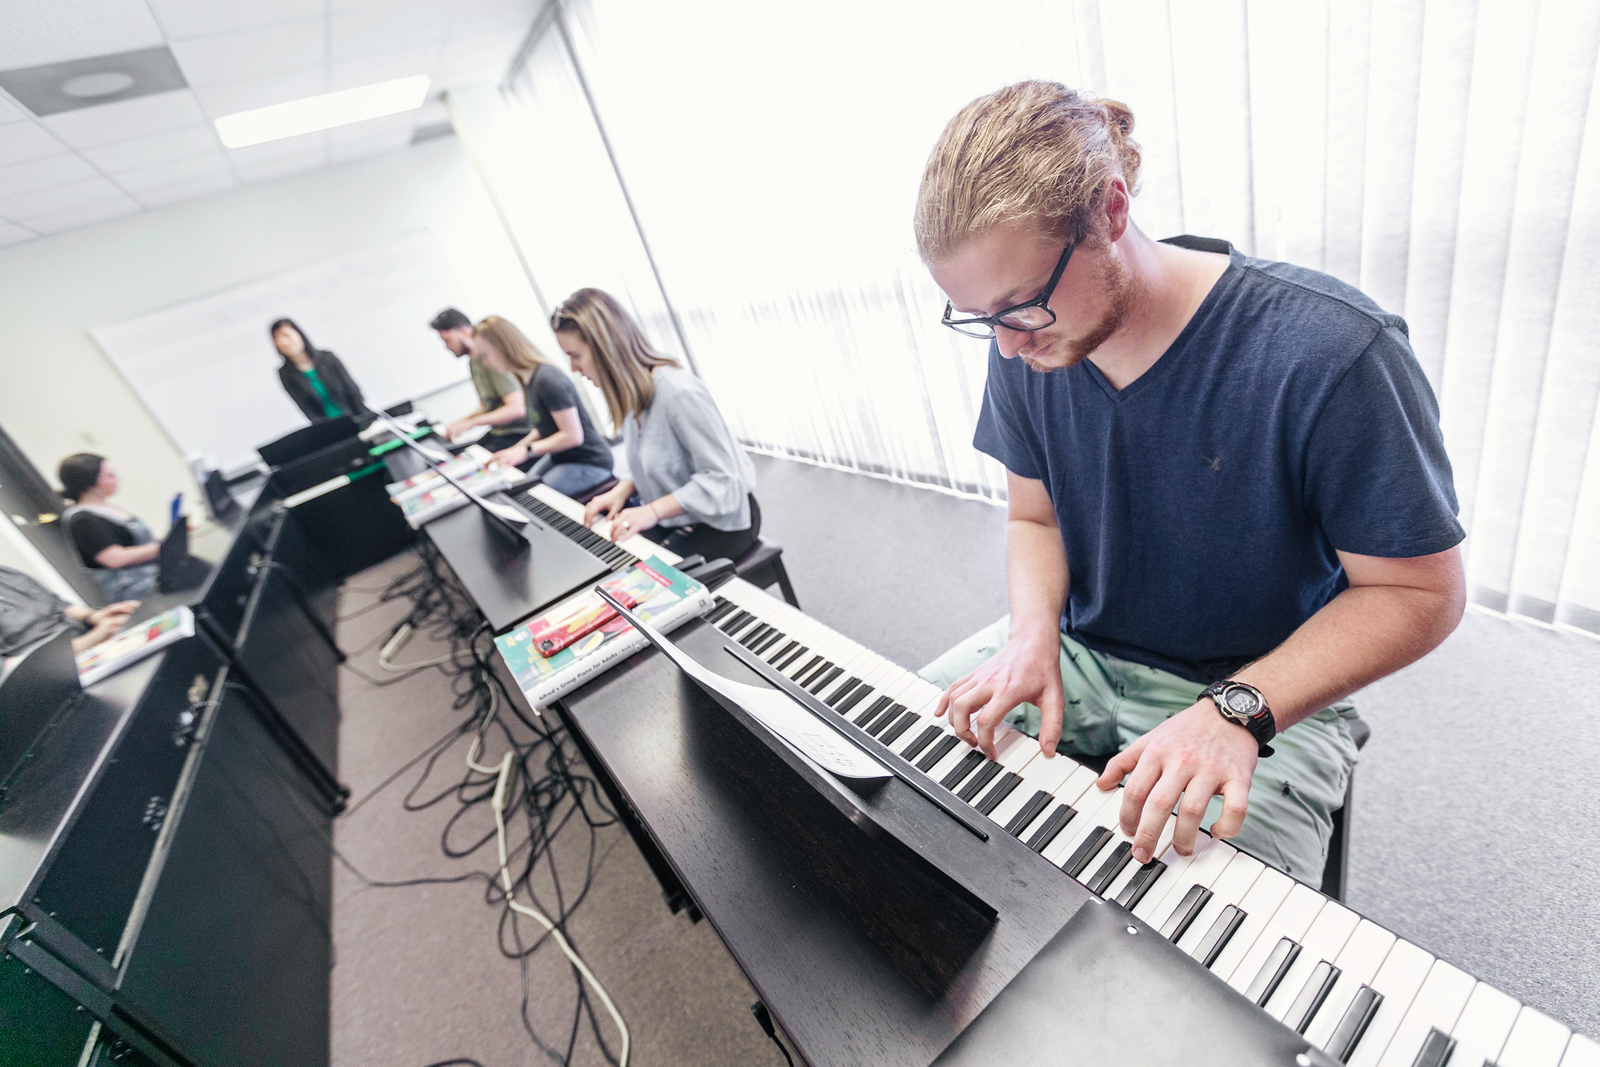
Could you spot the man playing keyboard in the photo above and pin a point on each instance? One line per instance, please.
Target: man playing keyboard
(1220, 470)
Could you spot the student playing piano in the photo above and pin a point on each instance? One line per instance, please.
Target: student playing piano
(501, 405)
(569, 452)
(693, 481)
(1220, 470)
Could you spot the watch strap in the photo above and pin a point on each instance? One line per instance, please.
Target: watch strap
(1263, 726)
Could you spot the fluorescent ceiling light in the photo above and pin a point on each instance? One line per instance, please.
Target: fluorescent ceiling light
(322, 112)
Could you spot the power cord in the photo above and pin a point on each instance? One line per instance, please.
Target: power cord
(764, 1017)
(537, 775)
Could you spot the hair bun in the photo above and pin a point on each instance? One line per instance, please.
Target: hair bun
(1119, 124)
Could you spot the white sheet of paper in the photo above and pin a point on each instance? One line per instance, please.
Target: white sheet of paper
(779, 713)
(506, 512)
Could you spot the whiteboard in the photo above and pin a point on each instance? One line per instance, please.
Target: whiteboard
(208, 371)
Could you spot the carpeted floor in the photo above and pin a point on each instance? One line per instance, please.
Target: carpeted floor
(1472, 831)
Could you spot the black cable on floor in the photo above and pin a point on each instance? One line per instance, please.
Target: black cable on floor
(547, 791)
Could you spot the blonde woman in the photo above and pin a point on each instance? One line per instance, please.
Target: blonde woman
(568, 451)
(693, 481)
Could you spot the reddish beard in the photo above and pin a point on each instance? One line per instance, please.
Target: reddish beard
(1118, 283)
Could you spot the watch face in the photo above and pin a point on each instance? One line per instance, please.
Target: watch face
(1242, 702)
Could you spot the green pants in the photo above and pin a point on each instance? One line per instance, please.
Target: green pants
(1111, 702)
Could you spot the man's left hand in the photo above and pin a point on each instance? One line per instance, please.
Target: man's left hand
(1194, 755)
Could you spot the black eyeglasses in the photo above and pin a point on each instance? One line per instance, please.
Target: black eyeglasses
(1034, 315)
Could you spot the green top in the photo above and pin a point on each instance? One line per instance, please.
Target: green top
(492, 387)
(329, 408)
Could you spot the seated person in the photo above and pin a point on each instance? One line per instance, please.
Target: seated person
(29, 612)
(315, 380)
(693, 480)
(572, 457)
(117, 547)
(1229, 501)
(501, 405)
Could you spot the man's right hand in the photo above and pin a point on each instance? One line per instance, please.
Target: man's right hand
(1026, 671)
(459, 426)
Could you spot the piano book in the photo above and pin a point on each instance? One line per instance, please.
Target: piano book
(584, 636)
(470, 460)
(134, 644)
(427, 496)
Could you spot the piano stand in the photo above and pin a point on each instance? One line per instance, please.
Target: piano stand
(857, 842)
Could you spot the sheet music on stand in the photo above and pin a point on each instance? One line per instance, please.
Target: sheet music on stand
(790, 722)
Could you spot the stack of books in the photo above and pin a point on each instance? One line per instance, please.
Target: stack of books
(427, 495)
(553, 654)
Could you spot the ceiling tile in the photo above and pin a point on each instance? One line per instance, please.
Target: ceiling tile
(252, 53)
(381, 68)
(48, 31)
(86, 215)
(227, 98)
(92, 127)
(10, 112)
(179, 171)
(258, 155)
(36, 174)
(283, 168)
(29, 206)
(21, 141)
(371, 137)
(475, 59)
(485, 16)
(190, 190)
(201, 18)
(150, 151)
(14, 235)
(390, 28)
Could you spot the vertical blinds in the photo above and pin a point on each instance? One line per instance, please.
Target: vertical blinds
(1443, 155)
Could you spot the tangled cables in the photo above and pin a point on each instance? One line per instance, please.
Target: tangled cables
(535, 789)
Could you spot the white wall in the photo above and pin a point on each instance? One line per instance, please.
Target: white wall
(58, 392)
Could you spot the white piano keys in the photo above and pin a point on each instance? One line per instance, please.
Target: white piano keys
(1484, 1025)
(1324, 941)
(1268, 893)
(1163, 842)
(1040, 774)
(1209, 859)
(1398, 980)
(1292, 919)
(1536, 1040)
(1358, 964)
(1436, 1006)
(1229, 889)
(1090, 807)
(1581, 1052)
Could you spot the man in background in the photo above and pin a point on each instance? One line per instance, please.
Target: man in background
(501, 406)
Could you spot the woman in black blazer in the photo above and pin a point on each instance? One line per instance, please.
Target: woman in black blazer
(314, 379)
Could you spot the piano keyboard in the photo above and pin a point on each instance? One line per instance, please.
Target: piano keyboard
(565, 515)
(1354, 989)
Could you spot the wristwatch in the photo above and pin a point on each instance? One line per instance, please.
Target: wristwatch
(1243, 705)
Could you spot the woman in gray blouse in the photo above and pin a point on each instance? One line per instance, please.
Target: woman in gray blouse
(686, 483)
